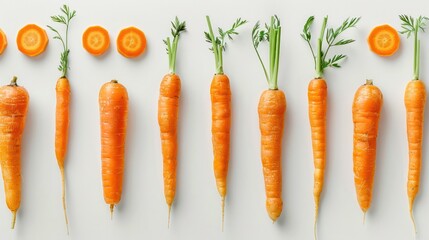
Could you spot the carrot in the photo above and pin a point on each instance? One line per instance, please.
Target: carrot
(367, 105)
(3, 41)
(96, 40)
(318, 96)
(271, 110)
(168, 114)
(220, 94)
(32, 40)
(113, 101)
(415, 99)
(384, 40)
(131, 42)
(13, 112)
(62, 110)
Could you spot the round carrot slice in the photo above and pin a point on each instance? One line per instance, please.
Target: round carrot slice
(131, 42)
(32, 40)
(384, 40)
(3, 41)
(96, 40)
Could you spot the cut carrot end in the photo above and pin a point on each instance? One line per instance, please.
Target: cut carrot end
(13, 219)
(223, 211)
(131, 42)
(384, 40)
(112, 206)
(96, 40)
(169, 214)
(32, 40)
(3, 41)
(63, 196)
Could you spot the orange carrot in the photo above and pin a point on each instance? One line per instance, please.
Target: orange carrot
(271, 110)
(3, 41)
(384, 40)
(13, 111)
(32, 40)
(367, 105)
(317, 97)
(62, 109)
(113, 100)
(220, 93)
(168, 114)
(415, 100)
(131, 42)
(96, 40)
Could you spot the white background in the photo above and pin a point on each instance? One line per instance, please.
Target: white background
(142, 213)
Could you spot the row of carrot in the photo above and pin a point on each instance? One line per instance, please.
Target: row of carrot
(113, 101)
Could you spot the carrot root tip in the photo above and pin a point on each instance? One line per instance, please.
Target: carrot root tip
(223, 211)
(63, 183)
(13, 219)
(112, 206)
(364, 217)
(414, 222)
(169, 214)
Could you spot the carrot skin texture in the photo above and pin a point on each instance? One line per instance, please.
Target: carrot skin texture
(220, 93)
(62, 119)
(415, 100)
(271, 109)
(317, 106)
(113, 100)
(13, 112)
(168, 114)
(366, 110)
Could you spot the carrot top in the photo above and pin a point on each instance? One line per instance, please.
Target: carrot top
(271, 34)
(320, 60)
(219, 43)
(413, 26)
(177, 28)
(63, 19)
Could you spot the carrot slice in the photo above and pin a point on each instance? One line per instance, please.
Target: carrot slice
(96, 40)
(131, 42)
(3, 41)
(384, 40)
(32, 40)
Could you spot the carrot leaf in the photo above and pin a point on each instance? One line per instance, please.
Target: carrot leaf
(271, 34)
(413, 26)
(176, 29)
(65, 20)
(320, 57)
(219, 42)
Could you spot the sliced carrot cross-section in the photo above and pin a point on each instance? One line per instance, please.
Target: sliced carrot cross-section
(131, 42)
(96, 40)
(32, 40)
(3, 41)
(384, 40)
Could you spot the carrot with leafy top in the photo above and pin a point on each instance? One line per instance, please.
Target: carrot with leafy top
(271, 110)
(415, 100)
(13, 112)
(62, 111)
(318, 94)
(168, 115)
(220, 93)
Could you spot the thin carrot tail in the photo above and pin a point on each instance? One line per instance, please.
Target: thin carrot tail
(364, 217)
(169, 213)
(112, 206)
(63, 183)
(316, 215)
(223, 211)
(411, 203)
(13, 219)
